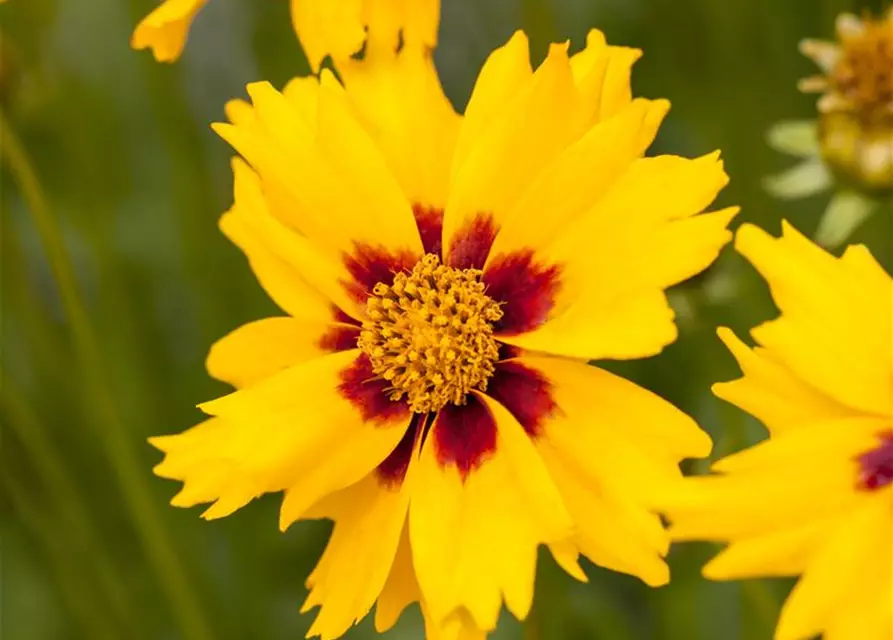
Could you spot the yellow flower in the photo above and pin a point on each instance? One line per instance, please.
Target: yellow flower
(444, 279)
(815, 500)
(856, 108)
(324, 27)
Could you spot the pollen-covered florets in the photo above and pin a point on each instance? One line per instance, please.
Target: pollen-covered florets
(430, 334)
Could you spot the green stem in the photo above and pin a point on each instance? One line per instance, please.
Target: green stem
(111, 432)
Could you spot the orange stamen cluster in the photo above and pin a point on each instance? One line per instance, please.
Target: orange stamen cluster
(430, 334)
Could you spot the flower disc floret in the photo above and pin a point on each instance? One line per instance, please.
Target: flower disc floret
(430, 334)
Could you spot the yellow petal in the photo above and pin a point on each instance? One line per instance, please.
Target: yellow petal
(844, 438)
(401, 588)
(542, 116)
(459, 626)
(407, 24)
(617, 91)
(325, 28)
(743, 505)
(616, 259)
(302, 281)
(578, 178)
(339, 29)
(865, 613)
(164, 30)
(607, 445)
(779, 553)
(850, 551)
(636, 325)
(400, 102)
(505, 72)
(207, 477)
(334, 185)
(772, 393)
(475, 541)
(369, 518)
(293, 427)
(590, 67)
(377, 212)
(262, 348)
(833, 332)
(596, 405)
(610, 529)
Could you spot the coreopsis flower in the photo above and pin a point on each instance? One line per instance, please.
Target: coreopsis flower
(851, 143)
(815, 499)
(323, 27)
(444, 280)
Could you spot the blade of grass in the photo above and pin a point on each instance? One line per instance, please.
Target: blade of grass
(84, 609)
(73, 511)
(111, 432)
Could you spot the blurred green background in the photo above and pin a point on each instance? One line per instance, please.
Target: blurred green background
(135, 180)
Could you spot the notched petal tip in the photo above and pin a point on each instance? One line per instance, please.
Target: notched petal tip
(595, 38)
(162, 443)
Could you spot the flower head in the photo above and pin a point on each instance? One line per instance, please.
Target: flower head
(323, 27)
(444, 279)
(856, 107)
(815, 500)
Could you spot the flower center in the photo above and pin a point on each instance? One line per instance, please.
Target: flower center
(430, 334)
(864, 74)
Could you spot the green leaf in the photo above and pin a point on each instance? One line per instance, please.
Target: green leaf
(846, 211)
(805, 179)
(795, 137)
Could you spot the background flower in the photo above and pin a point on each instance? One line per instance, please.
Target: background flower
(815, 500)
(336, 29)
(849, 147)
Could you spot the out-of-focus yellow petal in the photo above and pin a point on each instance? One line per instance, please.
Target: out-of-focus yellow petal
(743, 505)
(771, 392)
(164, 30)
(340, 29)
(844, 438)
(865, 612)
(326, 28)
(848, 553)
(834, 332)
(778, 553)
